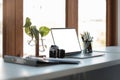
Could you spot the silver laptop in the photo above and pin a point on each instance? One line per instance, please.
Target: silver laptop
(67, 39)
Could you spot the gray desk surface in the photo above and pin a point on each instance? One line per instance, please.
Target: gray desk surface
(10, 71)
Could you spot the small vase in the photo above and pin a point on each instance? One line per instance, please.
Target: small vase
(42, 46)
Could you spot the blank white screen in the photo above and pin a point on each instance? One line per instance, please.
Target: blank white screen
(66, 39)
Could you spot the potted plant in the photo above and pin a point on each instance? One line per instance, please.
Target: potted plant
(34, 33)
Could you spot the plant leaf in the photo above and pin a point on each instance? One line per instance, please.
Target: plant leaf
(35, 32)
(28, 31)
(28, 22)
(43, 30)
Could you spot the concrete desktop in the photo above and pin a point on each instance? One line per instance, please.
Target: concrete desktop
(98, 68)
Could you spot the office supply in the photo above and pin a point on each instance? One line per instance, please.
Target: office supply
(86, 37)
(56, 60)
(20, 60)
(36, 61)
(67, 39)
(87, 40)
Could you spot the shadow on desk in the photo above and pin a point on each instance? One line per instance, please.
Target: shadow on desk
(108, 73)
(71, 77)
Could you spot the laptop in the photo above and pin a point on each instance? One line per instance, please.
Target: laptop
(67, 39)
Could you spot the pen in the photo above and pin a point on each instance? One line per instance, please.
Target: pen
(86, 37)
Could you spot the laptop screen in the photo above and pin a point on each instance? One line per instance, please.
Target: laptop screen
(66, 38)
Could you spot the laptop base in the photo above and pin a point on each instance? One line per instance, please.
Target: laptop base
(87, 55)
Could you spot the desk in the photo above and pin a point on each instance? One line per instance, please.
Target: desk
(10, 71)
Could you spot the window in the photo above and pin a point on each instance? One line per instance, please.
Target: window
(13, 24)
(50, 13)
(92, 18)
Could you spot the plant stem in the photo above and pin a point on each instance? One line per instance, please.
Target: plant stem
(37, 47)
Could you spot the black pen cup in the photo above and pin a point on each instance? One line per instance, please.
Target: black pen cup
(87, 47)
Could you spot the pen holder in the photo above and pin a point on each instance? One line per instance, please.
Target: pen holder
(87, 47)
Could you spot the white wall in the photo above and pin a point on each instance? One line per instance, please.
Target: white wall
(118, 22)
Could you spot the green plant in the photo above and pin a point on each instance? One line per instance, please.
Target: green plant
(33, 32)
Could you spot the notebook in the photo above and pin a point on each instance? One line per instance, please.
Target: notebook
(67, 39)
(37, 61)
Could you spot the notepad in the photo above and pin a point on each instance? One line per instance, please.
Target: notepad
(36, 61)
(57, 60)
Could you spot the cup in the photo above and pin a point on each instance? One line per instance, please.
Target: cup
(87, 47)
